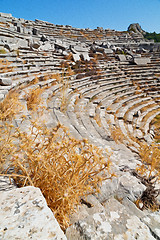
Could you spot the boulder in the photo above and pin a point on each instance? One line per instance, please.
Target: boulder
(135, 27)
(5, 81)
(24, 214)
(130, 186)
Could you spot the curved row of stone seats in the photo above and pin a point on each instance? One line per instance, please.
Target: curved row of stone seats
(28, 64)
(80, 86)
(85, 114)
(95, 132)
(130, 107)
(130, 122)
(85, 121)
(106, 85)
(139, 101)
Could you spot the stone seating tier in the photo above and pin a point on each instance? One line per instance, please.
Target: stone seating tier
(102, 94)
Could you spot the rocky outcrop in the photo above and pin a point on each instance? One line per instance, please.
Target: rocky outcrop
(135, 27)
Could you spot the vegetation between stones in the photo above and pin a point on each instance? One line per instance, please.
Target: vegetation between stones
(65, 169)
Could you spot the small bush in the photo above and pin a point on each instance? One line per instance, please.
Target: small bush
(3, 51)
(149, 174)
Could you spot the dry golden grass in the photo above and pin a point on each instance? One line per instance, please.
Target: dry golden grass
(10, 106)
(116, 133)
(98, 119)
(150, 155)
(149, 174)
(33, 99)
(5, 66)
(65, 169)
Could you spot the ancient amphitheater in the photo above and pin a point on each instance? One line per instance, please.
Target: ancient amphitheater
(111, 95)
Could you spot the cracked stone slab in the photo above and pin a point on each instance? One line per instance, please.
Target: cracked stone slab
(152, 220)
(24, 214)
(115, 223)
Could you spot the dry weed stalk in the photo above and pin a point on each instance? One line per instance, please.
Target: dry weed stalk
(65, 169)
(64, 81)
(116, 134)
(98, 119)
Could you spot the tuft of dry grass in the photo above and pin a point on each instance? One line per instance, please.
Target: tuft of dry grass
(5, 66)
(10, 106)
(116, 134)
(149, 174)
(150, 155)
(65, 169)
(33, 99)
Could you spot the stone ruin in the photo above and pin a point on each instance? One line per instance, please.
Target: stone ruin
(125, 93)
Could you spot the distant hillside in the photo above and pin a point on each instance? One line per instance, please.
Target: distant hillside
(154, 35)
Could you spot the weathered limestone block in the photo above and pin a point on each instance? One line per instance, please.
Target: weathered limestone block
(60, 45)
(24, 214)
(76, 57)
(47, 47)
(6, 15)
(152, 220)
(108, 188)
(108, 51)
(130, 186)
(23, 43)
(115, 223)
(122, 57)
(11, 47)
(80, 49)
(141, 61)
(5, 81)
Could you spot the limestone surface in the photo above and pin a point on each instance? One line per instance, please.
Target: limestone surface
(25, 215)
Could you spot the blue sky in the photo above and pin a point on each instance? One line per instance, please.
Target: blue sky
(113, 14)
